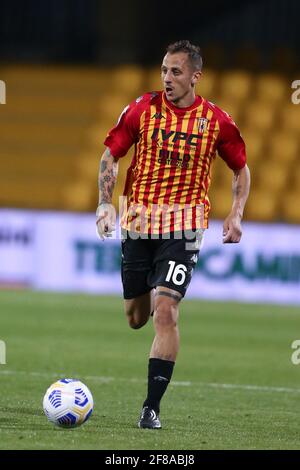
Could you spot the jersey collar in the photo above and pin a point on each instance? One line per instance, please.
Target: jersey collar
(197, 102)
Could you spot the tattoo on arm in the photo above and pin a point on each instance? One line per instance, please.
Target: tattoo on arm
(240, 189)
(107, 177)
(236, 186)
(237, 190)
(103, 166)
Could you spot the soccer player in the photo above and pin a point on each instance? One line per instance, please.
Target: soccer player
(176, 136)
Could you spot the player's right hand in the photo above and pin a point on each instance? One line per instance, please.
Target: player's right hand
(106, 220)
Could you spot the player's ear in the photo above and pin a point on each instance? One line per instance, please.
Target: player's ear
(196, 77)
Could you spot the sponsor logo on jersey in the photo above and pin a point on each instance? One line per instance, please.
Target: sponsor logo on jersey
(175, 136)
(158, 116)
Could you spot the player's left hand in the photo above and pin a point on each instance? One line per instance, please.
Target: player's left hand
(232, 229)
(106, 220)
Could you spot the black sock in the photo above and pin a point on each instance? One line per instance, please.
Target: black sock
(159, 376)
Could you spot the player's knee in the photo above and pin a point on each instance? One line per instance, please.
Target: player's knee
(165, 316)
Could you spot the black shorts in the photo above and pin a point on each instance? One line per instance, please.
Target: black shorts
(148, 263)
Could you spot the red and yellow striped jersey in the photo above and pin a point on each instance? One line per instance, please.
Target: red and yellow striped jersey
(167, 182)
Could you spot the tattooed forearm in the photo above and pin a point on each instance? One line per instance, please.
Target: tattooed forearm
(107, 177)
(240, 189)
(237, 187)
(103, 165)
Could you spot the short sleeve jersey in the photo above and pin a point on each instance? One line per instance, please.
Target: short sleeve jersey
(168, 180)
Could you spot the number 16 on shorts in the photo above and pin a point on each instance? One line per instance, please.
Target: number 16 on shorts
(176, 274)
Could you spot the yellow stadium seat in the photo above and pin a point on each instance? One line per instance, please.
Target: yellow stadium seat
(262, 206)
(153, 79)
(221, 174)
(272, 175)
(87, 166)
(255, 143)
(128, 80)
(207, 84)
(290, 118)
(38, 166)
(221, 202)
(290, 206)
(259, 116)
(59, 80)
(79, 195)
(295, 177)
(110, 107)
(31, 193)
(96, 134)
(283, 147)
(236, 85)
(271, 88)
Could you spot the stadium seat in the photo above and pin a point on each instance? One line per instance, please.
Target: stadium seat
(207, 85)
(255, 143)
(79, 195)
(127, 80)
(221, 174)
(236, 85)
(272, 175)
(290, 206)
(262, 206)
(31, 193)
(221, 202)
(43, 132)
(271, 88)
(153, 79)
(291, 118)
(259, 116)
(110, 107)
(284, 147)
(295, 177)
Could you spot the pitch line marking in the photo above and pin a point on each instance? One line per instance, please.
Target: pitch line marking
(103, 379)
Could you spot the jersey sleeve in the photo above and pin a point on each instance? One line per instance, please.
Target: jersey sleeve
(126, 132)
(231, 146)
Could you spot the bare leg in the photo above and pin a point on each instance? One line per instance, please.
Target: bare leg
(166, 310)
(139, 309)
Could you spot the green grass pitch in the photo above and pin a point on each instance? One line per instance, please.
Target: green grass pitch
(234, 385)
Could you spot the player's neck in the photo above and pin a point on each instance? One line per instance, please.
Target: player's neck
(185, 101)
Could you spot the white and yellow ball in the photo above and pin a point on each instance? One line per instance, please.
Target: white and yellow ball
(68, 403)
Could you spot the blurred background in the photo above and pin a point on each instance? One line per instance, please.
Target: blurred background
(70, 67)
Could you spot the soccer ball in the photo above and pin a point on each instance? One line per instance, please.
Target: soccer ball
(68, 403)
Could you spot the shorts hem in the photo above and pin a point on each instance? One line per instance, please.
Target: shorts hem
(130, 297)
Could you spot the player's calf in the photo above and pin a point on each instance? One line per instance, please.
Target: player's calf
(138, 310)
